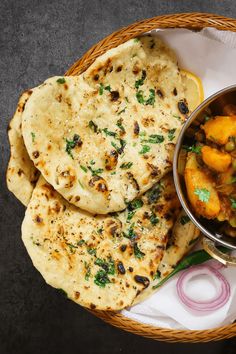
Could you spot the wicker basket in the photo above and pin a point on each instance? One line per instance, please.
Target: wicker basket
(186, 20)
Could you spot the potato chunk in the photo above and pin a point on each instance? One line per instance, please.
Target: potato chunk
(196, 179)
(219, 161)
(220, 129)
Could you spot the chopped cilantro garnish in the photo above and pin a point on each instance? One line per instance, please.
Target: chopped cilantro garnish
(108, 266)
(122, 111)
(157, 275)
(101, 88)
(203, 194)
(140, 81)
(113, 173)
(137, 252)
(33, 137)
(154, 219)
(88, 271)
(196, 149)
(154, 194)
(92, 162)
(80, 242)
(151, 98)
(233, 203)
(171, 134)
(93, 126)
(61, 80)
(71, 144)
(145, 149)
(136, 40)
(130, 215)
(100, 230)
(135, 204)
(140, 98)
(120, 148)
(155, 139)
(184, 219)
(120, 126)
(101, 278)
(95, 172)
(126, 165)
(83, 168)
(108, 88)
(108, 132)
(91, 251)
(71, 247)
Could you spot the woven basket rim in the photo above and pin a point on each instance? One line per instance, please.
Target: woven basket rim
(190, 20)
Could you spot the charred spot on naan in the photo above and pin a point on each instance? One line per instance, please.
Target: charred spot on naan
(98, 183)
(65, 178)
(111, 160)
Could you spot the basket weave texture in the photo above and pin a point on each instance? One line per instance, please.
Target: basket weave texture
(196, 21)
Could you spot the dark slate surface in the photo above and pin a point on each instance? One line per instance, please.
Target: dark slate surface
(39, 39)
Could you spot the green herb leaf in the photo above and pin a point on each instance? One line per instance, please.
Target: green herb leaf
(122, 111)
(61, 80)
(154, 194)
(33, 137)
(110, 133)
(141, 81)
(71, 246)
(120, 126)
(80, 242)
(88, 271)
(120, 148)
(108, 88)
(184, 219)
(171, 134)
(233, 203)
(203, 194)
(135, 204)
(131, 235)
(196, 149)
(137, 252)
(140, 98)
(83, 168)
(71, 144)
(108, 266)
(130, 215)
(101, 88)
(91, 251)
(93, 126)
(126, 165)
(145, 149)
(95, 172)
(101, 279)
(157, 275)
(151, 98)
(136, 40)
(155, 139)
(154, 219)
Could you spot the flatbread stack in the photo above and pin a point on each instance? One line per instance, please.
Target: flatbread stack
(103, 221)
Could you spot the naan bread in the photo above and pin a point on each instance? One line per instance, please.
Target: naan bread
(184, 236)
(107, 136)
(21, 172)
(101, 262)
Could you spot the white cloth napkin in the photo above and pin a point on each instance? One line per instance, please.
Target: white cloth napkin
(211, 54)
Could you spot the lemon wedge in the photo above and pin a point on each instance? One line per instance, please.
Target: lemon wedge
(193, 89)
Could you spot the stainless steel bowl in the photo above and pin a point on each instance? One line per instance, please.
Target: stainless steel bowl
(214, 104)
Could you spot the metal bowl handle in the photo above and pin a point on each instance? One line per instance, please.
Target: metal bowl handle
(209, 247)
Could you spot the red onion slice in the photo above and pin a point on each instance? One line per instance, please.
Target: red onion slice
(215, 264)
(222, 289)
